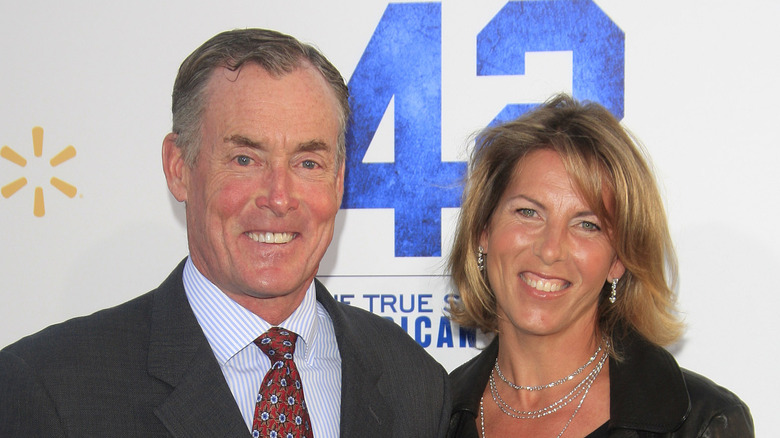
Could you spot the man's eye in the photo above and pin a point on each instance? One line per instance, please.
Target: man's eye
(309, 164)
(243, 160)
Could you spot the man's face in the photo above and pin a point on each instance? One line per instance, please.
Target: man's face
(263, 194)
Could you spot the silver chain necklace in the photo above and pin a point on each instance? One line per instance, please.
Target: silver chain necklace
(582, 388)
(557, 405)
(551, 384)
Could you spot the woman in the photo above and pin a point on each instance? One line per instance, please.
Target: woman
(562, 250)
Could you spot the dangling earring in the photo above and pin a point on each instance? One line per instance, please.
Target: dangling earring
(613, 295)
(481, 259)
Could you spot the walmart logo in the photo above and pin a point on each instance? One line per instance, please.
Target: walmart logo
(11, 155)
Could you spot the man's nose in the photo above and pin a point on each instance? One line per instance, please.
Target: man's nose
(279, 194)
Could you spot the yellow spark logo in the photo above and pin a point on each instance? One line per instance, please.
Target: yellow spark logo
(64, 155)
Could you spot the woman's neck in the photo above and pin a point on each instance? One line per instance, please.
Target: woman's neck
(531, 360)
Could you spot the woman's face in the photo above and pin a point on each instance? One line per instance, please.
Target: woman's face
(548, 255)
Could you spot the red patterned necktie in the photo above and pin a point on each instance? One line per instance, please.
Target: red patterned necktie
(280, 411)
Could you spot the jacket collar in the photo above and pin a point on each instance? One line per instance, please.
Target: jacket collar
(470, 380)
(200, 404)
(364, 409)
(647, 389)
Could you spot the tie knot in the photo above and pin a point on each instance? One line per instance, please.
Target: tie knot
(277, 343)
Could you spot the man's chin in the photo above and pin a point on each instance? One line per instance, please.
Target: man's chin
(274, 284)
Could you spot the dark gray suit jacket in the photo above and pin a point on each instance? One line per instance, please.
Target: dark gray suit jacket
(145, 369)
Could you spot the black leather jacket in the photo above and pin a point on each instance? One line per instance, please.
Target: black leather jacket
(650, 396)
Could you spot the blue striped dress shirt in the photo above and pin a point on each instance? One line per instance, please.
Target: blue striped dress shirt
(231, 330)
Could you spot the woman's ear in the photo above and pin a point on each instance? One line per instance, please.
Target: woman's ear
(616, 270)
(484, 237)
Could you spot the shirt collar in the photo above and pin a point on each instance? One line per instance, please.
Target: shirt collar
(229, 327)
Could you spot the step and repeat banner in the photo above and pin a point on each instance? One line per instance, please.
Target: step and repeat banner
(86, 220)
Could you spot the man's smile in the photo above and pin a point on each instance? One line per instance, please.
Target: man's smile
(269, 237)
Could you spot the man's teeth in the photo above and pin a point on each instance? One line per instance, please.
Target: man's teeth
(269, 237)
(544, 286)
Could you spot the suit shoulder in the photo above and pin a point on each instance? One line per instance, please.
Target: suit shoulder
(384, 336)
(375, 325)
(126, 322)
(81, 335)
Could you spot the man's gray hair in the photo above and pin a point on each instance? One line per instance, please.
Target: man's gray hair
(275, 52)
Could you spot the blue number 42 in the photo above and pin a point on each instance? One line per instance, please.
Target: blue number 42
(402, 62)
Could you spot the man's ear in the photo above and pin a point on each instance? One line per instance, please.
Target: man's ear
(340, 181)
(174, 167)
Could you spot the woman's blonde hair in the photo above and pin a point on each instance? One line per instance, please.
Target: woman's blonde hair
(612, 175)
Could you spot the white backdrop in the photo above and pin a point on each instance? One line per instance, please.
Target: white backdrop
(701, 92)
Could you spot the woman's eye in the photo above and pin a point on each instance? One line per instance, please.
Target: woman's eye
(243, 160)
(527, 212)
(590, 226)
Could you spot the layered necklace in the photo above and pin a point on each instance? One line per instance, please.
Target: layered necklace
(579, 391)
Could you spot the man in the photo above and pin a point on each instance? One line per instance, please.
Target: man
(257, 156)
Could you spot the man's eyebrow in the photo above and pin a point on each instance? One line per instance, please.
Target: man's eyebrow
(240, 140)
(314, 146)
(309, 146)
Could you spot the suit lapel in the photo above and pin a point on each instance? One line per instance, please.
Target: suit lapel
(201, 404)
(364, 409)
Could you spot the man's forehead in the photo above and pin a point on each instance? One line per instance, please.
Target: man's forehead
(274, 70)
(312, 145)
(255, 108)
(224, 79)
